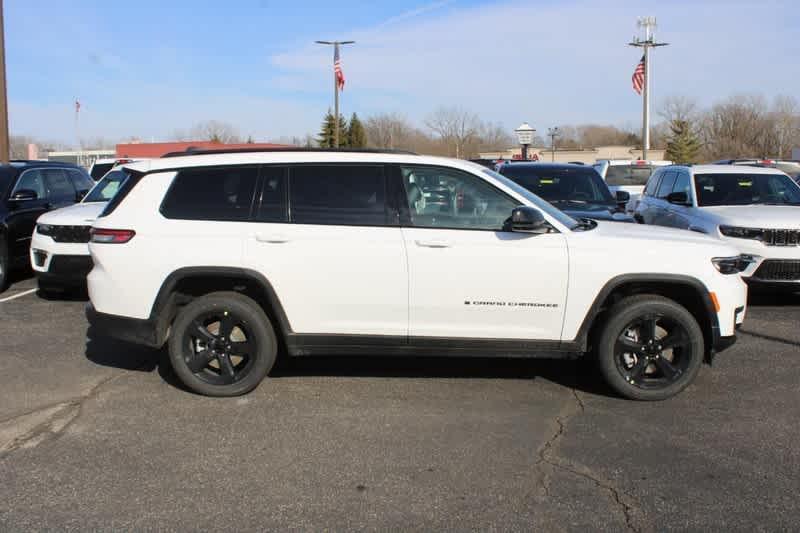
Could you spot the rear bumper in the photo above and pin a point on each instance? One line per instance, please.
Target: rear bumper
(133, 330)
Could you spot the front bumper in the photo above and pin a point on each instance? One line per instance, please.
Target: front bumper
(61, 269)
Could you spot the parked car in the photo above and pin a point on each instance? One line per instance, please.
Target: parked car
(627, 175)
(225, 256)
(755, 209)
(59, 252)
(27, 190)
(577, 190)
(103, 165)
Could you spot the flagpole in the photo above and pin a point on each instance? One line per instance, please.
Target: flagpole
(335, 45)
(649, 24)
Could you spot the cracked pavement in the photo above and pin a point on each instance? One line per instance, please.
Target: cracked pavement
(97, 435)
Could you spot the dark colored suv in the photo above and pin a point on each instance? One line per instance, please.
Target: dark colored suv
(28, 189)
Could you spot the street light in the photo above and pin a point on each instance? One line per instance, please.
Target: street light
(553, 133)
(525, 138)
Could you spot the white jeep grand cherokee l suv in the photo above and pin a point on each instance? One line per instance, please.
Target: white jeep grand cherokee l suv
(231, 257)
(757, 210)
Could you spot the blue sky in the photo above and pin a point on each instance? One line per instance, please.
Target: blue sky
(148, 68)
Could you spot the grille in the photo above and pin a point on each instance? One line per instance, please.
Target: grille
(780, 237)
(70, 233)
(778, 270)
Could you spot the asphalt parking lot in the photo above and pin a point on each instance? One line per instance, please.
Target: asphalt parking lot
(96, 434)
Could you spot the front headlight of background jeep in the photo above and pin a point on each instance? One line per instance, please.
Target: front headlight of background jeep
(44, 229)
(732, 265)
(740, 233)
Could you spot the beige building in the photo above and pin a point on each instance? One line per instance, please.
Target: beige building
(587, 156)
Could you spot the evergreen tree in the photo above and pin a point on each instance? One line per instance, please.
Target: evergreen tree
(682, 145)
(356, 136)
(325, 139)
(250, 139)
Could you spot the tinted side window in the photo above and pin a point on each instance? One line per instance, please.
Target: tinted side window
(652, 184)
(667, 182)
(682, 184)
(338, 194)
(447, 198)
(31, 180)
(211, 194)
(59, 188)
(272, 207)
(80, 180)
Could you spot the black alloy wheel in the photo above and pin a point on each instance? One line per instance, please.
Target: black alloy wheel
(653, 352)
(219, 347)
(222, 344)
(650, 347)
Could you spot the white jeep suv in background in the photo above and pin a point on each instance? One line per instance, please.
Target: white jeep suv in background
(59, 247)
(629, 175)
(231, 257)
(755, 209)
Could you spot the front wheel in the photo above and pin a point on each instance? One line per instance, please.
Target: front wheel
(222, 344)
(651, 348)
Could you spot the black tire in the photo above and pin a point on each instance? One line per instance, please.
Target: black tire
(639, 369)
(5, 264)
(206, 347)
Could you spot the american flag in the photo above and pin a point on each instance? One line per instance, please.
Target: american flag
(638, 77)
(337, 68)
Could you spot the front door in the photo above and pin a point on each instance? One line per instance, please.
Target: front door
(23, 214)
(467, 277)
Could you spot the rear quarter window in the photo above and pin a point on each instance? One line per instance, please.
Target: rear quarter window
(224, 194)
(635, 175)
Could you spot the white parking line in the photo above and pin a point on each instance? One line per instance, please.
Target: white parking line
(20, 295)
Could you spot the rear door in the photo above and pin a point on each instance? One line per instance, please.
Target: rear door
(330, 245)
(468, 278)
(645, 206)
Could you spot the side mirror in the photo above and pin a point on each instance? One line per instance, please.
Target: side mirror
(24, 195)
(623, 197)
(678, 198)
(528, 220)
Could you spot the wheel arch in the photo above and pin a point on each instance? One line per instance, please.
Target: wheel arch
(687, 291)
(185, 284)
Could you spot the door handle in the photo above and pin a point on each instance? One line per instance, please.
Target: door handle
(435, 243)
(272, 239)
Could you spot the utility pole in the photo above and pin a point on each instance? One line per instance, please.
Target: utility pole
(5, 146)
(336, 85)
(649, 41)
(553, 133)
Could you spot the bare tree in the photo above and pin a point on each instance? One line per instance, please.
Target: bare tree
(210, 130)
(455, 127)
(677, 107)
(736, 127)
(785, 117)
(388, 130)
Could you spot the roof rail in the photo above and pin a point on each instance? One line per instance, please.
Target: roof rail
(279, 150)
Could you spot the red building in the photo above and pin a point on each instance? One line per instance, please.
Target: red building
(136, 150)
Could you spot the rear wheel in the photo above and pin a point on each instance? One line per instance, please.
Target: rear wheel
(651, 348)
(222, 344)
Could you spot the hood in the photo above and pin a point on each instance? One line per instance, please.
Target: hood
(654, 234)
(755, 216)
(74, 215)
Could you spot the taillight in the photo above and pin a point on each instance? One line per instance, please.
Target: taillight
(112, 236)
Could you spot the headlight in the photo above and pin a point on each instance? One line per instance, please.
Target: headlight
(732, 265)
(44, 229)
(740, 233)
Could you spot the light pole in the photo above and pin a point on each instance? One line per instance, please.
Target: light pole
(525, 137)
(649, 41)
(338, 82)
(553, 133)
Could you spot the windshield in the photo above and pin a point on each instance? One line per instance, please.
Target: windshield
(628, 174)
(543, 205)
(106, 188)
(99, 170)
(561, 185)
(745, 189)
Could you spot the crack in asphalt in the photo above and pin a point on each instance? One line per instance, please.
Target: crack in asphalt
(59, 417)
(544, 452)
